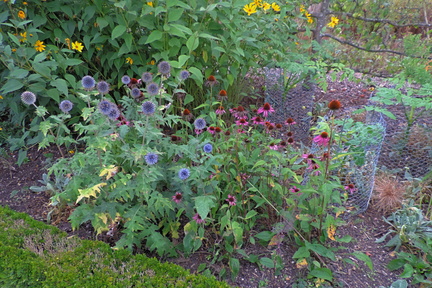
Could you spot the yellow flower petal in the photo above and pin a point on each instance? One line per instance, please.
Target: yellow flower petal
(77, 46)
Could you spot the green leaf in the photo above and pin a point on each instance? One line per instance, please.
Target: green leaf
(154, 36)
(396, 264)
(265, 235)
(322, 273)
(234, 264)
(408, 271)
(203, 205)
(175, 14)
(73, 62)
(118, 31)
(251, 214)
(11, 85)
(365, 258)
(238, 232)
(266, 262)
(192, 43)
(302, 252)
(197, 75)
(61, 85)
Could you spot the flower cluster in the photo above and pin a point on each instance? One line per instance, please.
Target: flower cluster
(252, 7)
(306, 14)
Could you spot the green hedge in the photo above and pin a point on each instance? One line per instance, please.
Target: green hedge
(33, 254)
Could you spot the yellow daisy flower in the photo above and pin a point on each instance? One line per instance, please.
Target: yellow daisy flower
(250, 8)
(333, 22)
(39, 46)
(129, 60)
(77, 46)
(150, 4)
(257, 3)
(266, 6)
(275, 7)
(23, 36)
(21, 14)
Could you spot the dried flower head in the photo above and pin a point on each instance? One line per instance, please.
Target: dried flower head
(388, 193)
(334, 105)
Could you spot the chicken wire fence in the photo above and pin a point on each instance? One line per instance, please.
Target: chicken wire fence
(388, 144)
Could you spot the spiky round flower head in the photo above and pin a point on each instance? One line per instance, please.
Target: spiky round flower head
(184, 75)
(164, 68)
(153, 88)
(126, 79)
(208, 148)
(334, 105)
(147, 77)
(88, 82)
(151, 158)
(184, 173)
(200, 123)
(222, 95)
(105, 106)
(114, 113)
(148, 108)
(66, 106)
(28, 97)
(103, 87)
(135, 92)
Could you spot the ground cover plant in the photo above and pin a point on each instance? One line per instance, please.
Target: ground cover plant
(165, 155)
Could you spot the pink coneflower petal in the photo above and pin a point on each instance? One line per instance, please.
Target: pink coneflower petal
(322, 139)
(265, 109)
(198, 219)
(232, 201)
(177, 197)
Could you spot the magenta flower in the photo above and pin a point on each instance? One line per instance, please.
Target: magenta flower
(198, 219)
(242, 121)
(220, 110)
(294, 189)
(322, 139)
(273, 146)
(351, 188)
(177, 197)
(232, 201)
(211, 129)
(239, 112)
(265, 109)
(290, 121)
(198, 131)
(257, 120)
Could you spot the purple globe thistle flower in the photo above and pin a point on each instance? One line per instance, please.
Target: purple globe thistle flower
(88, 82)
(164, 68)
(135, 92)
(151, 158)
(114, 113)
(66, 106)
(28, 97)
(322, 139)
(105, 106)
(147, 77)
(198, 219)
(208, 148)
(103, 87)
(126, 79)
(148, 108)
(184, 173)
(184, 75)
(153, 88)
(200, 124)
(177, 197)
(232, 201)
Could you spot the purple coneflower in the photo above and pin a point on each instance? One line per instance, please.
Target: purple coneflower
(265, 109)
(322, 139)
(177, 197)
(198, 219)
(232, 201)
